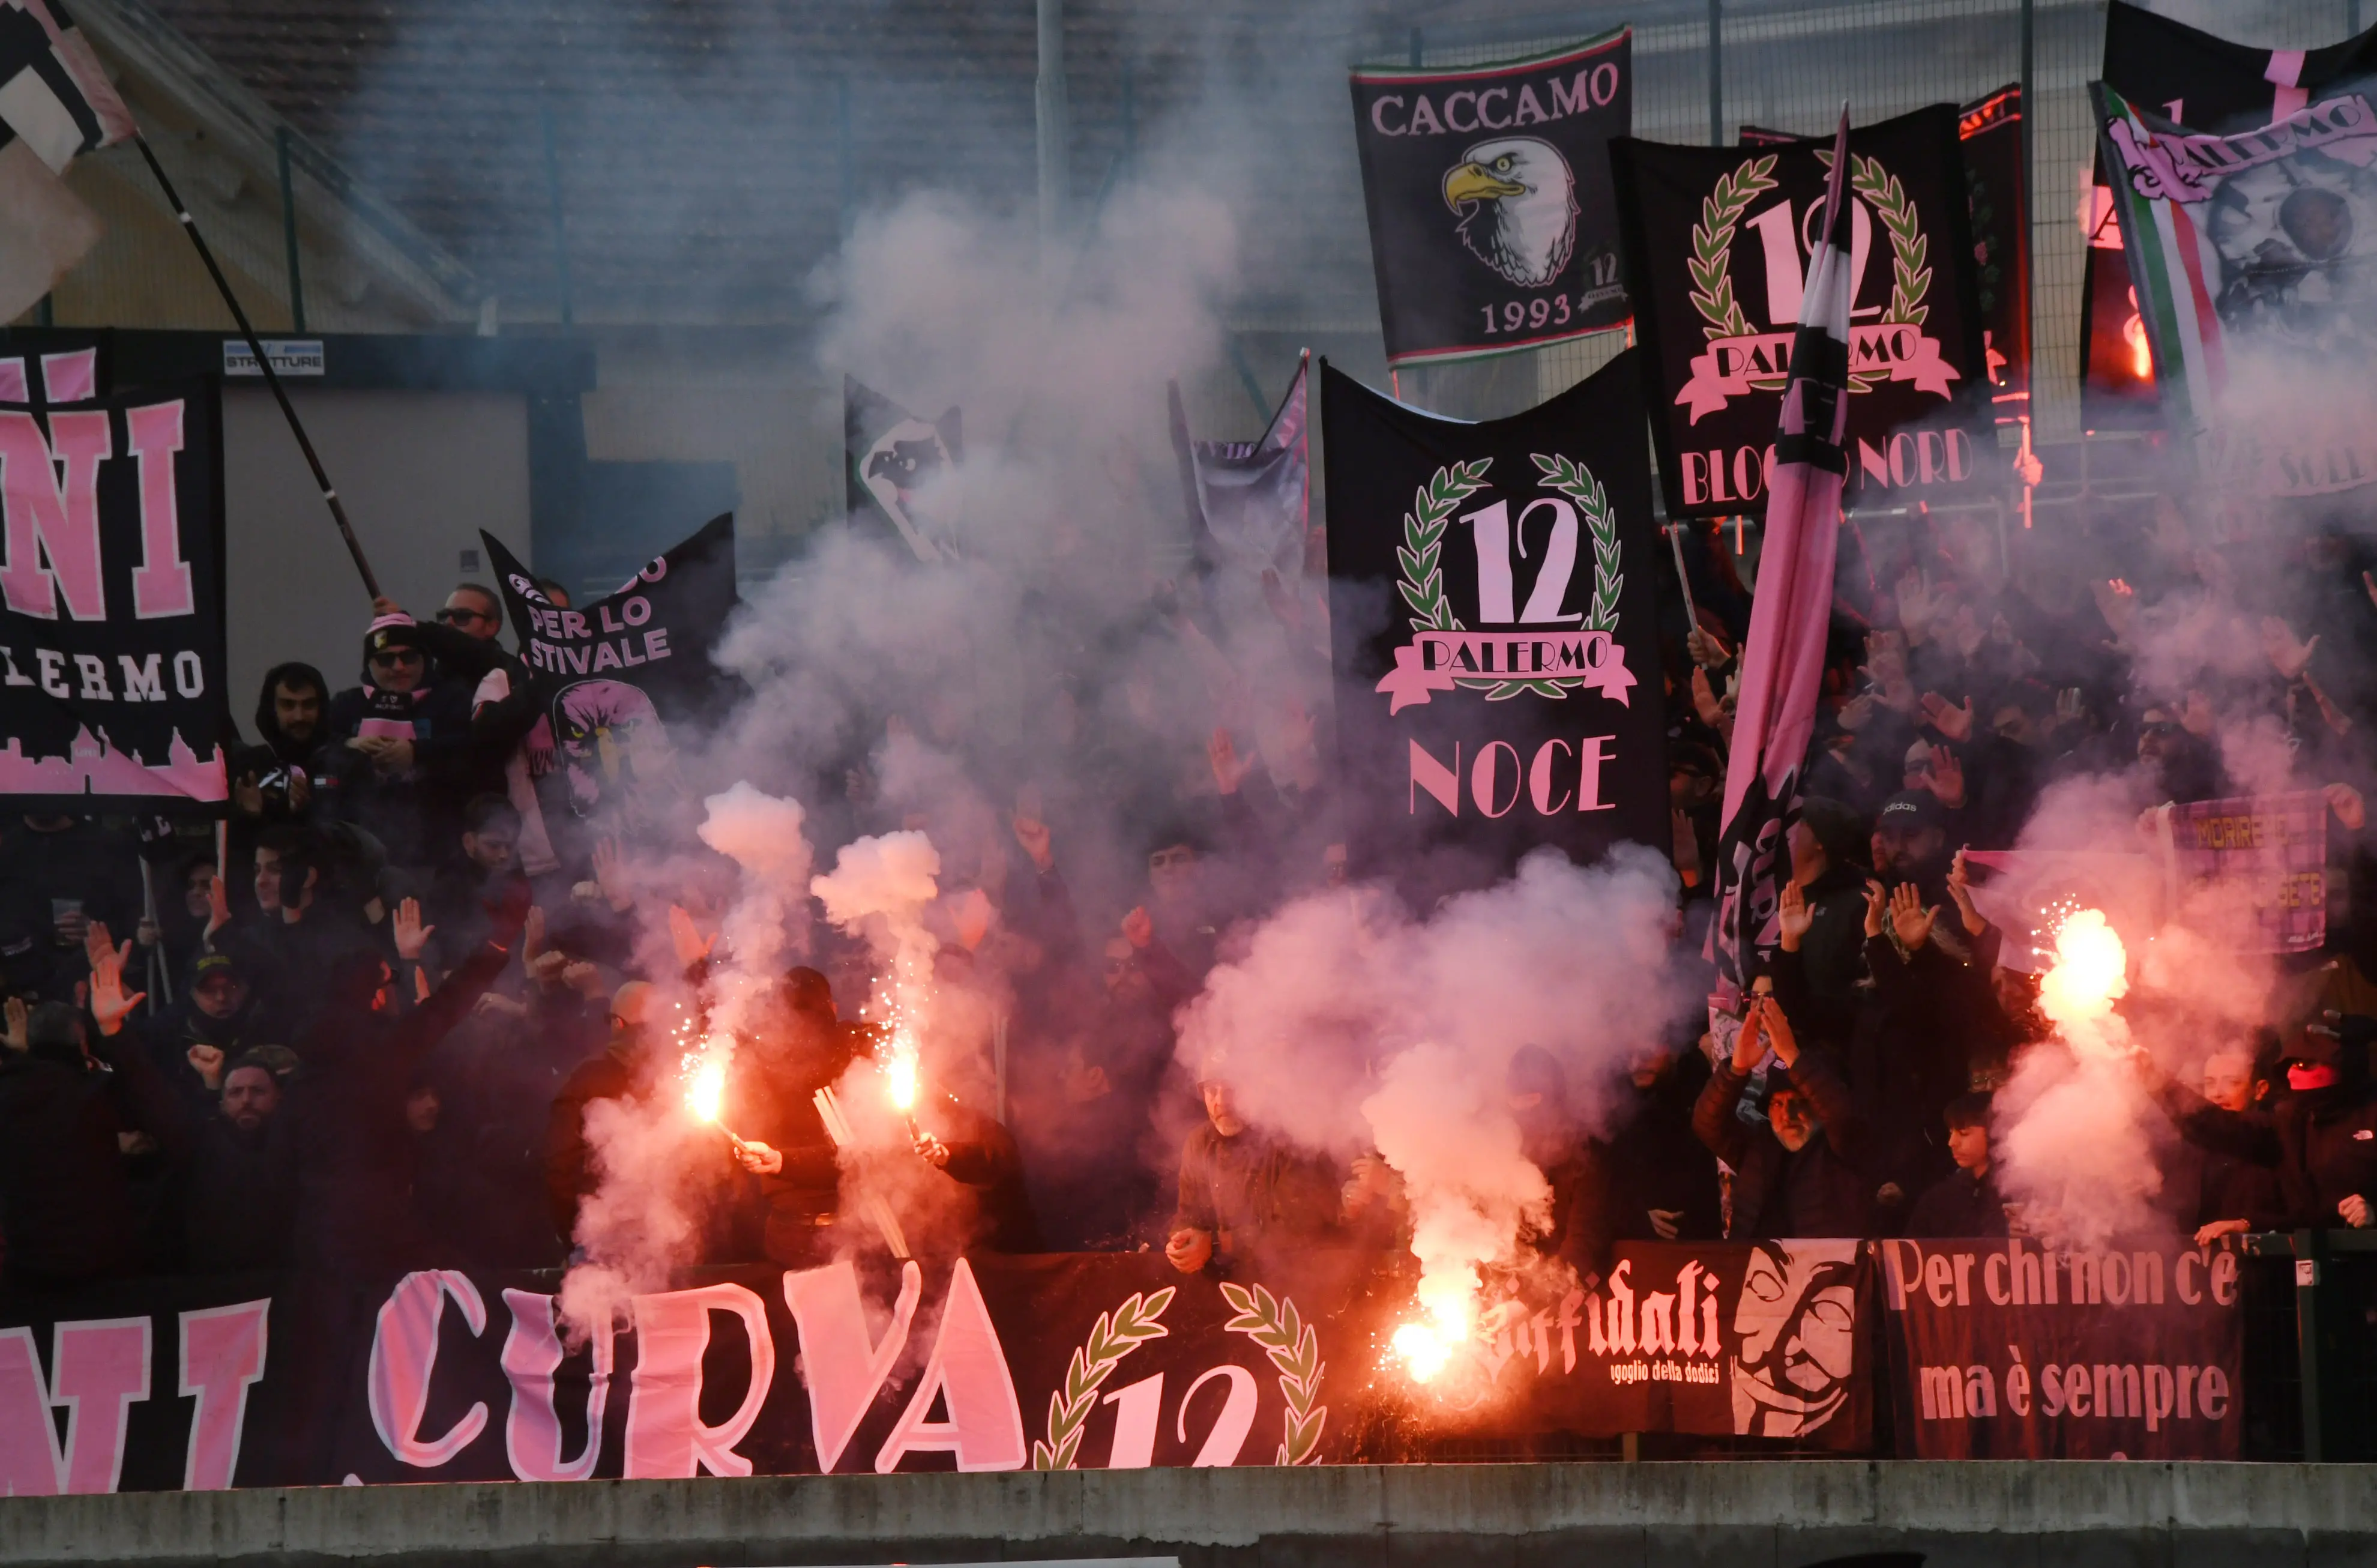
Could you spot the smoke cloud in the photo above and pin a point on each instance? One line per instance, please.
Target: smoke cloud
(1349, 1024)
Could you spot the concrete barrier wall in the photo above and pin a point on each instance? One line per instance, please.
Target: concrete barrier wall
(1775, 1516)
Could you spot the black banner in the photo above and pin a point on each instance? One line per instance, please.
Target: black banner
(2010, 1350)
(1717, 240)
(1763, 1339)
(1492, 225)
(1498, 682)
(1087, 1361)
(112, 663)
(2210, 85)
(902, 471)
(613, 674)
(1996, 204)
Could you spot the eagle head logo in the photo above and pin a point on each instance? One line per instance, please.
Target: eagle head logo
(1517, 204)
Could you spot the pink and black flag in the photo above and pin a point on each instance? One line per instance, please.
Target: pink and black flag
(1782, 666)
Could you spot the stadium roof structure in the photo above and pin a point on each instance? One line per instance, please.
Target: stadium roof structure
(698, 160)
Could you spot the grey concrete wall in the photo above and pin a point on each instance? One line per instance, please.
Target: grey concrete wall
(1775, 1516)
(420, 473)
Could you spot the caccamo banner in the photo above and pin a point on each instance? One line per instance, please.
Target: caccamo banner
(2009, 1349)
(1492, 225)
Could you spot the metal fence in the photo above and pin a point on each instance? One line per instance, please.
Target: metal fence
(1788, 66)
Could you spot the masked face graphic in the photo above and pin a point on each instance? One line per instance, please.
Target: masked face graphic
(1794, 1322)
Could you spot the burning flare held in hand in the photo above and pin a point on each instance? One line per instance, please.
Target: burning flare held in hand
(705, 1095)
(2091, 974)
(705, 1087)
(2073, 1124)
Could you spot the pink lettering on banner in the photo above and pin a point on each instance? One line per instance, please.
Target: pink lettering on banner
(404, 1353)
(533, 1351)
(1734, 367)
(223, 1356)
(160, 584)
(66, 377)
(1440, 661)
(1139, 1414)
(45, 521)
(1230, 1428)
(31, 1465)
(2176, 166)
(12, 382)
(99, 1368)
(968, 1372)
(843, 1365)
(666, 1436)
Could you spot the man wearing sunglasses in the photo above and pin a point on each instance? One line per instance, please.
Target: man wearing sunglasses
(473, 611)
(403, 757)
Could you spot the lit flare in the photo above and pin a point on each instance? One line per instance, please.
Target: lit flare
(705, 1095)
(1427, 1343)
(2091, 970)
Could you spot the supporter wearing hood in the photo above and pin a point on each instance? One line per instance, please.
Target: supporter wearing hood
(1822, 924)
(274, 781)
(292, 712)
(2321, 1138)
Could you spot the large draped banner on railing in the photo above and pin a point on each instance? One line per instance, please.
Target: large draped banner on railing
(1982, 1350)
(1090, 1360)
(2008, 1349)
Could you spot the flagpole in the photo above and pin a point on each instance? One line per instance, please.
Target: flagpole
(263, 363)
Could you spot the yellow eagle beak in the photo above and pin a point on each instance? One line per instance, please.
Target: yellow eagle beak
(1472, 181)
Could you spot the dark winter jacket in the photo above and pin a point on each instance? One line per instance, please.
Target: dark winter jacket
(2322, 1143)
(1819, 1191)
(1960, 1205)
(356, 1153)
(66, 1210)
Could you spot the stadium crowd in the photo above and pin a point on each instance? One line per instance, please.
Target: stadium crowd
(365, 1039)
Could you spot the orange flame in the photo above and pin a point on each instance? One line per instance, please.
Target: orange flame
(705, 1095)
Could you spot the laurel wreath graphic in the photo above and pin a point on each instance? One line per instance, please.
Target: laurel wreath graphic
(1423, 583)
(1115, 1335)
(1433, 505)
(1600, 518)
(1712, 263)
(1294, 1352)
(1721, 212)
(1910, 271)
